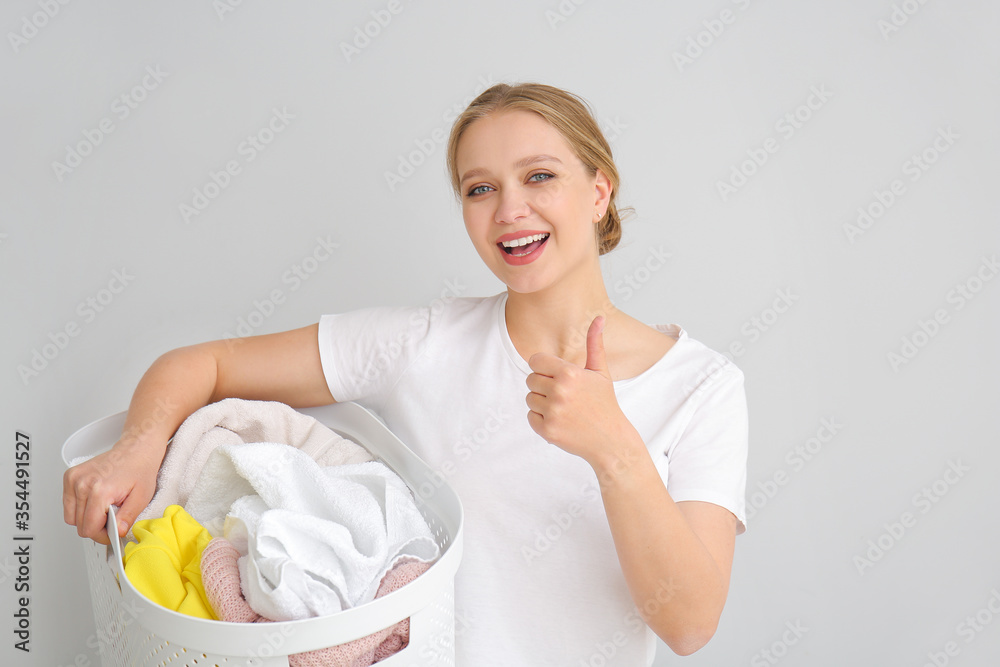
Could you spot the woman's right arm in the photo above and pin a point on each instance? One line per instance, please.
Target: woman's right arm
(282, 367)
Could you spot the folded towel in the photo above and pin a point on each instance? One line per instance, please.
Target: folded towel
(165, 563)
(313, 540)
(234, 421)
(222, 586)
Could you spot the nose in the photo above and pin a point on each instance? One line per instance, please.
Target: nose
(513, 206)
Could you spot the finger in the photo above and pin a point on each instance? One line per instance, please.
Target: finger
(545, 363)
(536, 422)
(82, 489)
(92, 512)
(540, 384)
(100, 533)
(130, 510)
(94, 520)
(69, 498)
(536, 403)
(596, 359)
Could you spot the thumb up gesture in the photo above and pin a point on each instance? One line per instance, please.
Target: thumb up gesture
(575, 407)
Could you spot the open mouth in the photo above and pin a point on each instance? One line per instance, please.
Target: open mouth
(524, 246)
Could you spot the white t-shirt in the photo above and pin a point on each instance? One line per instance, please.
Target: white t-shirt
(540, 582)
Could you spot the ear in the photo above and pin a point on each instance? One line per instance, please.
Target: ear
(602, 192)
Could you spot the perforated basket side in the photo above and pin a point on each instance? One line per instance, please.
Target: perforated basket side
(432, 635)
(110, 631)
(129, 625)
(155, 651)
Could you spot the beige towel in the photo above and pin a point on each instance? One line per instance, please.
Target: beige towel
(233, 421)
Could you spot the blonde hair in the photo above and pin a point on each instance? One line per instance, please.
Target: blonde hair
(571, 116)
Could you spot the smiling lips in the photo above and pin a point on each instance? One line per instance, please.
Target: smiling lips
(522, 247)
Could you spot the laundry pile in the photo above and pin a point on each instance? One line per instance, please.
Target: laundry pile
(263, 514)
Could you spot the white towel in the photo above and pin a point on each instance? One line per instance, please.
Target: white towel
(234, 421)
(314, 540)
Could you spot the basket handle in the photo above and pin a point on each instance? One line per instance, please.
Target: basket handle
(115, 544)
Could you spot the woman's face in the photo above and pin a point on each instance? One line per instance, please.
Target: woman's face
(529, 203)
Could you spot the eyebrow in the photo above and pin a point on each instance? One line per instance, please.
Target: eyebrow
(520, 164)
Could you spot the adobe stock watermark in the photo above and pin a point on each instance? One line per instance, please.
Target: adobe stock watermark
(633, 625)
(274, 639)
(968, 629)
(899, 16)
(248, 149)
(121, 108)
(924, 501)
(752, 330)
(712, 29)
(408, 163)
(364, 34)
(914, 167)
(225, 7)
(563, 521)
(706, 377)
(109, 636)
(87, 310)
(759, 324)
(164, 409)
(560, 523)
(786, 127)
(961, 294)
(32, 24)
(8, 568)
(467, 445)
(633, 281)
(562, 12)
(612, 129)
(796, 458)
(384, 359)
(294, 276)
(578, 334)
(440, 647)
(779, 648)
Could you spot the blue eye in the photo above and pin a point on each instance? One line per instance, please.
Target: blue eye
(541, 173)
(478, 190)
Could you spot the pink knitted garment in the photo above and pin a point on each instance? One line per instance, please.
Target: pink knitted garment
(221, 578)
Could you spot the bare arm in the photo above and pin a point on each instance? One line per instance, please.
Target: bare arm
(676, 557)
(281, 367)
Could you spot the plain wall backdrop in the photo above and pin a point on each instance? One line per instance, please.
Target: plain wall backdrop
(821, 178)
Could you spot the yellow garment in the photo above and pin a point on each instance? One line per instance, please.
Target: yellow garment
(165, 563)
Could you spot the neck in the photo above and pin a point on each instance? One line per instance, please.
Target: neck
(556, 320)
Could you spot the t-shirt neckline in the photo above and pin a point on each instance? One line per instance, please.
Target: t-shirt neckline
(673, 330)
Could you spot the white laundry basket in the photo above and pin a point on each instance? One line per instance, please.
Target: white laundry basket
(133, 631)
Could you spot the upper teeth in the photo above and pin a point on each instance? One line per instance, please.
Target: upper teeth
(523, 241)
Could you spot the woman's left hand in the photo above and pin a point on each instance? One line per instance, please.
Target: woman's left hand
(576, 408)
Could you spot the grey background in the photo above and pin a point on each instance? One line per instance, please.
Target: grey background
(678, 130)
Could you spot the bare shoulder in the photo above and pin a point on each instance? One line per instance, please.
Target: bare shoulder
(635, 347)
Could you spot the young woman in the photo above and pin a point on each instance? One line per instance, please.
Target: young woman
(601, 462)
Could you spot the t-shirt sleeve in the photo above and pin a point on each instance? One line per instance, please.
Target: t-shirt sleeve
(365, 352)
(709, 460)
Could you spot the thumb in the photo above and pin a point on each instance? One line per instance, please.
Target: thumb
(129, 512)
(596, 360)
